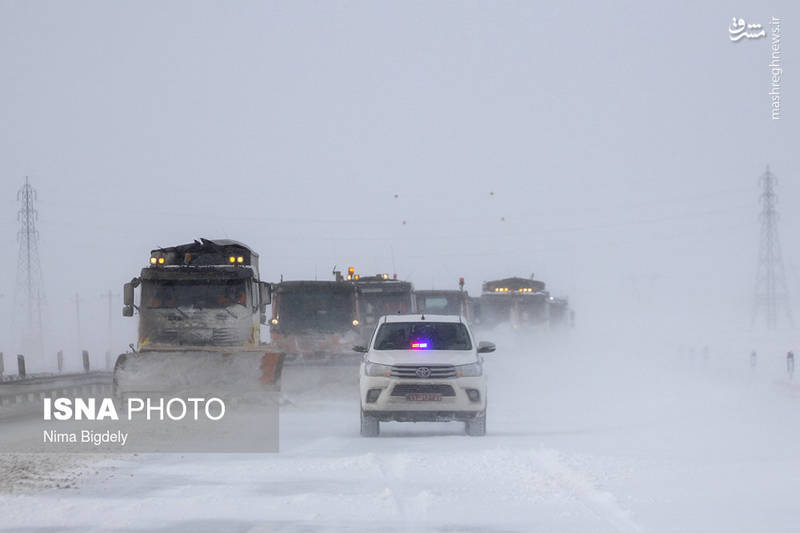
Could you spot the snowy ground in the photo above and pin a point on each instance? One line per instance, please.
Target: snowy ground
(580, 439)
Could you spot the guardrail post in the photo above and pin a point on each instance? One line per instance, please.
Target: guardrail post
(2, 365)
(21, 365)
(60, 359)
(86, 360)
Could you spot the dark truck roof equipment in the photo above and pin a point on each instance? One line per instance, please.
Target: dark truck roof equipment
(517, 285)
(205, 252)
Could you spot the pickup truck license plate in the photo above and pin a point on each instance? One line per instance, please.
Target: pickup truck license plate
(424, 397)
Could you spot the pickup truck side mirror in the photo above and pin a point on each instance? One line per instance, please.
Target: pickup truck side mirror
(360, 349)
(486, 347)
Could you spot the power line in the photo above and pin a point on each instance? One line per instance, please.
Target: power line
(771, 291)
(378, 219)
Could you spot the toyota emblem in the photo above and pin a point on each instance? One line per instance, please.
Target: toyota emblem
(423, 372)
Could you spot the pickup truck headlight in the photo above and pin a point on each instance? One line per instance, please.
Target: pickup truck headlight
(377, 369)
(469, 371)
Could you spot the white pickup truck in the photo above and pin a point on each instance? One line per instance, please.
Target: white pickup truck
(420, 368)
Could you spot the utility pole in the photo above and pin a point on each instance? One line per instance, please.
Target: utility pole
(110, 323)
(77, 300)
(29, 274)
(771, 291)
(110, 296)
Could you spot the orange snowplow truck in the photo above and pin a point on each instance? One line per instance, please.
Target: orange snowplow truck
(200, 309)
(315, 321)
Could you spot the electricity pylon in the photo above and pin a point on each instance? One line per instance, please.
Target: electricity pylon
(29, 276)
(771, 291)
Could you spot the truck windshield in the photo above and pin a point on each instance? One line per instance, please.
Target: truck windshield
(321, 310)
(376, 304)
(439, 304)
(423, 336)
(201, 294)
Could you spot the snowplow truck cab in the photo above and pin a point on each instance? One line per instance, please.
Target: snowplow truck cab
(381, 295)
(315, 319)
(200, 309)
(445, 302)
(520, 302)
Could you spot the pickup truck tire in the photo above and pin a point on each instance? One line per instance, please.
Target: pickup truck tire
(476, 427)
(370, 425)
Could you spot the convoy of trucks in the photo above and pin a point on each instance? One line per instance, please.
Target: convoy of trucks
(202, 304)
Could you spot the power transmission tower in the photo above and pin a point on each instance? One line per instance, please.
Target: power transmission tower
(29, 274)
(771, 291)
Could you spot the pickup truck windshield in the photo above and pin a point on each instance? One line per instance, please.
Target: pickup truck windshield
(423, 336)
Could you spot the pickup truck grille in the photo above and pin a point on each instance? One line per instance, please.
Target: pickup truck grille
(436, 371)
(410, 388)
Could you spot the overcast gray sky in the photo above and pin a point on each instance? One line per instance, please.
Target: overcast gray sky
(623, 146)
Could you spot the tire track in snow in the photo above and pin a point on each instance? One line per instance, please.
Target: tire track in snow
(390, 474)
(602, 504)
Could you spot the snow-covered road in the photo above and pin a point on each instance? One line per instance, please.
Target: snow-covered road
(577, 442)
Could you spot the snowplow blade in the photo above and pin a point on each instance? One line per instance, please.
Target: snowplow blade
(318, 364)
(229, 372)
(308, 377)
(318, 349)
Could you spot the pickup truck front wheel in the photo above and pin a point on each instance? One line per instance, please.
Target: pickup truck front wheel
(476, 427)
(370, 425)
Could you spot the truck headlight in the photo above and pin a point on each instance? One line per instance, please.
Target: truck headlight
(469, 371)
(377, 369)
